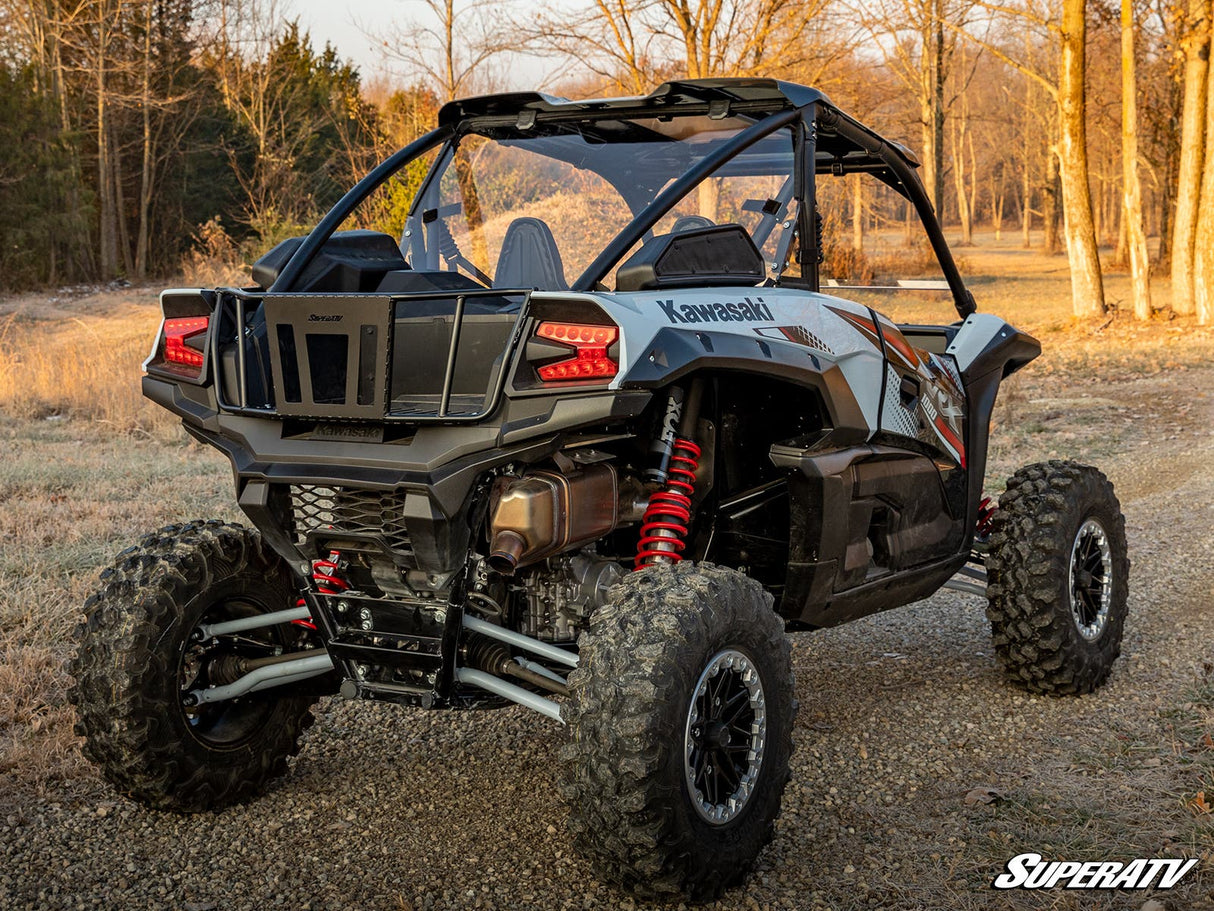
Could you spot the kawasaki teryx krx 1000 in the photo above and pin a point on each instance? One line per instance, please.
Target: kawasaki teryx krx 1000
(589, 433)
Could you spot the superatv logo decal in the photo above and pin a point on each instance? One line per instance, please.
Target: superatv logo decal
(1030, 871)
(745, 311)
(324, 317)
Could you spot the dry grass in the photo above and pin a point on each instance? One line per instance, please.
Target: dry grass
(82, 368)
(215, 260)
(73, 493)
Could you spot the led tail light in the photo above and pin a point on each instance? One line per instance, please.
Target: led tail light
(177, 333)
(588, 360)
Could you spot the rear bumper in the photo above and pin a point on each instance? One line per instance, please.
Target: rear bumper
(432, 469)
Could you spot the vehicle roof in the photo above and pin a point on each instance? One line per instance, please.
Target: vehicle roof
(718, 97)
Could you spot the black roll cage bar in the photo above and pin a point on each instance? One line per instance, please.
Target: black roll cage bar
(811, 121)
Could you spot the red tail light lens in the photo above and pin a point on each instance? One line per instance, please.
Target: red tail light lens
(589, 360)
(176, 333)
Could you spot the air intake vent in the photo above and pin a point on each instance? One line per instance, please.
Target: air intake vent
(328, 513)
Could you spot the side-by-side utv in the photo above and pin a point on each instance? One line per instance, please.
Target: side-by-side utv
(590, 434)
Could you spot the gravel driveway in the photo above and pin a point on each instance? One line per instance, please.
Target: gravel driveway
(902, 716)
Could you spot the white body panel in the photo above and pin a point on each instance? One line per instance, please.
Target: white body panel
(752, 313)
(874, 358)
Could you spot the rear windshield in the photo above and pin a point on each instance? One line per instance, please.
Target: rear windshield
(519, 209)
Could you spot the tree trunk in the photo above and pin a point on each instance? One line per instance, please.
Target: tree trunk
(1087, 287)
(932, 72)
(473, 215)
(931, 182)
(1163, 255)
(709, 197)
(124, 237)
(964, 214)
(960, 130)
(1136, 236)
(1192, 152)
(973, 181)
(1026, 216)
(1203, 259)
(938, 99)
(1026, 189)
(106, 223)
(998, 198)
(145, 171)
(857, 213)
(1051, 203)
(1121, 256)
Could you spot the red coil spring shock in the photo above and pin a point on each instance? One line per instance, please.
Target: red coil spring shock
(986, 516)
(668, 515)
(327, 581)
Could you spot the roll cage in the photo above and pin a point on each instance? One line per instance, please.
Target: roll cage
(833, 141)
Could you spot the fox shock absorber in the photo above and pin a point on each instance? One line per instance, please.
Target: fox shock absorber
(667, 518)
(663, 444)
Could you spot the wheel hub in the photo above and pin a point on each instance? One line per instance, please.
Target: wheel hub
(725, 736)
(211, 662)
(1091, 580)
(714, 736)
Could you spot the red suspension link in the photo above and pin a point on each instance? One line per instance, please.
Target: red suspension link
(328, 582)
(665, 524)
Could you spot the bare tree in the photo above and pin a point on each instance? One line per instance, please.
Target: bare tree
(1135, 235)
(857, 213)
(1087, 286)
(632, 44)
(1196, 46)
(1203, 259)
(451, 46)
(918, 39)
(272, 101)
(965, 168)
(1079, 229)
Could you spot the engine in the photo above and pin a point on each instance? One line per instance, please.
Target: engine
(560, 596)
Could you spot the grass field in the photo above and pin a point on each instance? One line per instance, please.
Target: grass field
(88, 466)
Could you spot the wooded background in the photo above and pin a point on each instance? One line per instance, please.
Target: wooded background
(137, 133)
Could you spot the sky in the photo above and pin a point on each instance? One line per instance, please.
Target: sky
(335, 23)
(339, 23)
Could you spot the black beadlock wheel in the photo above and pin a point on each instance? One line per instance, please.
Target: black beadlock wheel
(681, 731)
(1058, 578)
(137, 658)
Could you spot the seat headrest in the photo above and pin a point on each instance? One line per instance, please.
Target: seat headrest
(530, 258)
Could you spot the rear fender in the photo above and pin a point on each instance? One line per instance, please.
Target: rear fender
(985, 344)
(987, 350)
(677, 353)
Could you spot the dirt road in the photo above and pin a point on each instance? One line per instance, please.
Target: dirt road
(902, 716)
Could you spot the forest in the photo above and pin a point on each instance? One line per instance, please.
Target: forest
(146, 135)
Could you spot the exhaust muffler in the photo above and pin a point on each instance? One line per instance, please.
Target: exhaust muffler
(547, 512)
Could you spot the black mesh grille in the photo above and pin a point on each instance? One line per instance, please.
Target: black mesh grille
(350, 510)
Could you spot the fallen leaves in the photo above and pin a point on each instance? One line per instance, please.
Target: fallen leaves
(1199, 805)
(984, 796)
